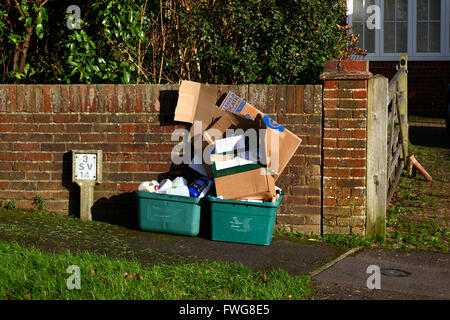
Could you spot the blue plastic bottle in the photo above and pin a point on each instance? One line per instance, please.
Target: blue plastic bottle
(196, 187)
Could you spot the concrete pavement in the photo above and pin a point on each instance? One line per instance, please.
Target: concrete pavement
(429, 276)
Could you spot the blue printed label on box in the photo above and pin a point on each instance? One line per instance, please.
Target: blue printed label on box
(236, 104)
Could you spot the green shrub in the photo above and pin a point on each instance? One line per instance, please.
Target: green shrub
(214, 41)
(265, 41)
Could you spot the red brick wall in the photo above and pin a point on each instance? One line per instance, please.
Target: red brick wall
(427, 84)
(344, 146)
(41, 124)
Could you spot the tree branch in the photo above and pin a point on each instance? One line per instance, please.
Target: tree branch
(43, 3)
(20, 10)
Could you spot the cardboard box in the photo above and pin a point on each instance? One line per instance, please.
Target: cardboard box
(197, 101)
(281, 144)
(231, 156)
(225, 122)
(255, 184)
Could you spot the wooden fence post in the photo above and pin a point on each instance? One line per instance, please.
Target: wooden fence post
(376, 180)
(403, 112)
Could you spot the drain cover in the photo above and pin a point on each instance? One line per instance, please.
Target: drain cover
(394, 273)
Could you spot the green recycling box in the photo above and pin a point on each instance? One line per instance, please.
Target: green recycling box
(242, 221)
(168, 213)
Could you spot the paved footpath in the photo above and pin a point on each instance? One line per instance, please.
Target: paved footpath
(427, 276)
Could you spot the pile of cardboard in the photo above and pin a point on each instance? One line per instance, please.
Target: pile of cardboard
(242, 169)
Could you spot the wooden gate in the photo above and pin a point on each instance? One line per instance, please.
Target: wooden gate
(387, 145)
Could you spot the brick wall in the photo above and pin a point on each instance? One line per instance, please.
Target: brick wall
(427, 84)
(344, 146)
(132, 124)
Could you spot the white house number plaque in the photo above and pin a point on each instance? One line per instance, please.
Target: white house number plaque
(86, 166)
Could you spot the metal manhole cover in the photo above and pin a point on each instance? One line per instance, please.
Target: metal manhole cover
(394, 273)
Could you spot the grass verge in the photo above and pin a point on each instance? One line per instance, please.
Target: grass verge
(29, 273)
(341, 240)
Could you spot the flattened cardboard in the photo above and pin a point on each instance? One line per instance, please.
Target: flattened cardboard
(287, 141)
(253, 184)
(196, 101)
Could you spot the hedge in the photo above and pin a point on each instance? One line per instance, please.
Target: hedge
(136, 41)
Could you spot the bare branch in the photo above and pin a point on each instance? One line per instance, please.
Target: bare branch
(43, 3)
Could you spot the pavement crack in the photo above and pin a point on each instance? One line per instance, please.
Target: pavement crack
(334, 261)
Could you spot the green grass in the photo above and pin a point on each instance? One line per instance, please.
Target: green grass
(29, 273)
(421, 233)
(341, 240)
(417, 217)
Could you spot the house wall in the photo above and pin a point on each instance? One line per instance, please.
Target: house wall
(427, 84)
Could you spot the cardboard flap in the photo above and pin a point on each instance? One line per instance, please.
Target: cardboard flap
(255, 183)
(187, 101)
(196, 101)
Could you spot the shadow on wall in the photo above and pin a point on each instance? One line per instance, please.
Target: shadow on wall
(168, 102)
(73, 188)
(181, 170)
(120, 209)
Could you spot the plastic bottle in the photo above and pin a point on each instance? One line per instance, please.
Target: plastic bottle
(196, 187)
(205, 191)
(179, 182)
(149, 186)
(178, 191)
(165, 186)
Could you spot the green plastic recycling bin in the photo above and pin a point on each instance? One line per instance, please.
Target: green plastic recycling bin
(242, 221)
(168, 213)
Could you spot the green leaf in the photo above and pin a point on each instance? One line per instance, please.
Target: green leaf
(40, 31)
(43, 14)
(126, 76)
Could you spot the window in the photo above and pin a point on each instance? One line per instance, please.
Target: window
(428, 26)
(418, 28)
(359, 25)
(395, 26)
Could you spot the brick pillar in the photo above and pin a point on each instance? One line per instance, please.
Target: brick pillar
(344, 146)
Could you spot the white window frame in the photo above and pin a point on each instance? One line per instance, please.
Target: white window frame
(412, 53)
(377, 53)
(408, 41)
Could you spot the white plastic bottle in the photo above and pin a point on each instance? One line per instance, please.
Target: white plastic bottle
(165, 186)
(179, 191)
